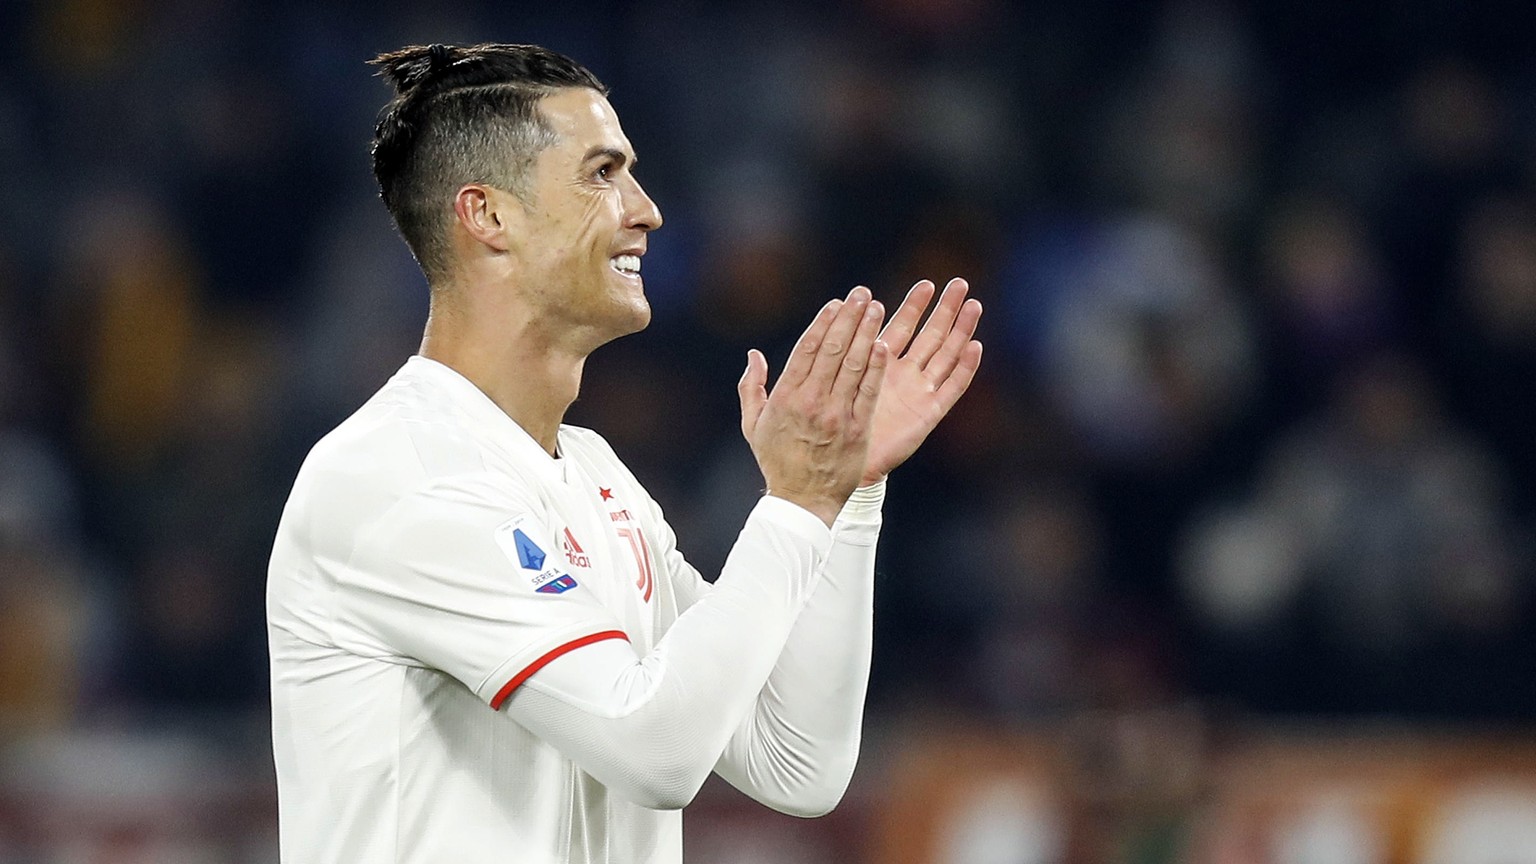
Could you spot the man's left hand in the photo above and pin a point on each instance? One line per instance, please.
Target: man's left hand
(927, 374)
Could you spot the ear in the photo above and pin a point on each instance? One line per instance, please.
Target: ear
(482, 212)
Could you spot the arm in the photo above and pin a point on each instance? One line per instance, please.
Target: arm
(796, 751)
(652, 727)
(795, 737)
(796, 747)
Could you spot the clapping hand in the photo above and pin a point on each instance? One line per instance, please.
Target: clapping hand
(810, 436)
(925, 376)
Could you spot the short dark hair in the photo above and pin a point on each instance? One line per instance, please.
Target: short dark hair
(461, 115)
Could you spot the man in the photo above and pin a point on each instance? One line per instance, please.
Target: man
(485, 643)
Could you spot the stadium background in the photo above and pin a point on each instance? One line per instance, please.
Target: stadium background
(1226, 557)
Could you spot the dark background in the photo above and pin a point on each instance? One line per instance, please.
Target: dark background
(1252, 434)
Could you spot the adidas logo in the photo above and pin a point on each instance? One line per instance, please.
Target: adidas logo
(573, 551)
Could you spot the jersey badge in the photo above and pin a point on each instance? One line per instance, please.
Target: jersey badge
(528, 552)
(559, 585)
(544, 570)
(646, 573)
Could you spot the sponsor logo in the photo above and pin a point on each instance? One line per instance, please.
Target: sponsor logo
(573, 551)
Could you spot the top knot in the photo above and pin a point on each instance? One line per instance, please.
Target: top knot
(420, 71)
(412, 67)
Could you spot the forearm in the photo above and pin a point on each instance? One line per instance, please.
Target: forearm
(652, 727)
(796, 750)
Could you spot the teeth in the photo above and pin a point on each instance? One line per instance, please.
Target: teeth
(627, 264)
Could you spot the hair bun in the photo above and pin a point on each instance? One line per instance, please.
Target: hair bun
(410, 68)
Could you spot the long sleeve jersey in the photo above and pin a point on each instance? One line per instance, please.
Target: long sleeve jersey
(480, 649)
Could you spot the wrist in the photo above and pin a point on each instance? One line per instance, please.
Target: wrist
(867, 493)
(821, 507)
(864, 505)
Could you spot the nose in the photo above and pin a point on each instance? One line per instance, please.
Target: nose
(640, 212)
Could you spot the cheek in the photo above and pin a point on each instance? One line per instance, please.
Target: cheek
(600, 218)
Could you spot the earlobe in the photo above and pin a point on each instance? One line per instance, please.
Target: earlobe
(478, 210)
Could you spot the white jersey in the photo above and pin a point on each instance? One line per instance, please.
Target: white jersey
(430, 560)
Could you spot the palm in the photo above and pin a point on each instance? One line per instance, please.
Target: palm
(925, 379)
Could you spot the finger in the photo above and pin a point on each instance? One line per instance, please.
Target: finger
(856, 362)
(803, 356)
(933, 333)
(753, 390)
(871, 384)
(904, 323)
(959, 337)
(839, 336)
(965, 372)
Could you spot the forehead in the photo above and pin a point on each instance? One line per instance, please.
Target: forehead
(583, 119)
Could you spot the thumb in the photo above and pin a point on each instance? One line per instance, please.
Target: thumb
(753, 391)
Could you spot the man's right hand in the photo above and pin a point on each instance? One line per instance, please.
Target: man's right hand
(811, 435)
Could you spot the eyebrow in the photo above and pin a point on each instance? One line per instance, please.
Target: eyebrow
(618, 156)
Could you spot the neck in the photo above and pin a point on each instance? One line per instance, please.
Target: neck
(531, 378)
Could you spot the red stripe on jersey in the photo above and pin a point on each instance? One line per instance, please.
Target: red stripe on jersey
(519, 678)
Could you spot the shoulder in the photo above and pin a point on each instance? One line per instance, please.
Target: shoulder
(382, 443)
(404, 442)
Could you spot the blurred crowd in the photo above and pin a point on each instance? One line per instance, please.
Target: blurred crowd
(1253, 429)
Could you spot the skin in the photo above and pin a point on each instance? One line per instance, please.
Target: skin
(924, 378)
(532, 292)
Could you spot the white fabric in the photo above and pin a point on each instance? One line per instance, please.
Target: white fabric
(402, 598)
(642, 727)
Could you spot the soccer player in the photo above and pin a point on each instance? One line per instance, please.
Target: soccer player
(485, 644)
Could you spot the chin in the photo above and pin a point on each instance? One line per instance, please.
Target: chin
(634, 324)
(635, 314)
(642, 318)
(627, 320)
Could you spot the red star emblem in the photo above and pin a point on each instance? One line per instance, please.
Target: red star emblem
(606, 493)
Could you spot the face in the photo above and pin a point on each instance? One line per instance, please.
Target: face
(582, 236)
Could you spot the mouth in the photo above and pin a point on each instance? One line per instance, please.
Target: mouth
(626, 265)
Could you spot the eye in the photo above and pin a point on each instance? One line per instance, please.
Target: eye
(604, 171)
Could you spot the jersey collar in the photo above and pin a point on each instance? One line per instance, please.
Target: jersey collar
(485, 414)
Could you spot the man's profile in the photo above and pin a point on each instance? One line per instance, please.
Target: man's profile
(485, 644)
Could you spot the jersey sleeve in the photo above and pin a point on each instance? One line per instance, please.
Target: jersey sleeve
(651, 728)
(795, 751)
(464, 576)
